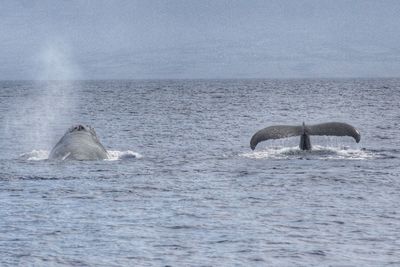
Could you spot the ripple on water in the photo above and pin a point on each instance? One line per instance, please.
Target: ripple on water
(317, 153)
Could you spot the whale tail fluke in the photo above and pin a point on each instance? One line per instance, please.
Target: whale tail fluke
(284, 131)
(334, 129)
(275, 132)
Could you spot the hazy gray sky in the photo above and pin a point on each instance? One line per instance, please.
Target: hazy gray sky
(198, 39)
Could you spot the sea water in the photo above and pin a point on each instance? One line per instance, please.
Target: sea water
(182, 186)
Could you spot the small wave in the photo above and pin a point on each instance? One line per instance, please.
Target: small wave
(114, 155)
(383, 137)
(318, 152)
(123, 155)
(35, 155)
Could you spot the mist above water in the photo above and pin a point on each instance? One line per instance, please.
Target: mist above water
(55, 63)
(50, 104)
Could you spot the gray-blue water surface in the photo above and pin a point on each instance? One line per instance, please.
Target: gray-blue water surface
(183, 187)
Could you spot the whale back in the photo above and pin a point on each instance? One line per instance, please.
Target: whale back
(79, 143)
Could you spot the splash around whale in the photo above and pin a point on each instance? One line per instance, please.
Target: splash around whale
(79, 142)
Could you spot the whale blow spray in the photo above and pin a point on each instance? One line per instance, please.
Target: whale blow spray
(48, 104)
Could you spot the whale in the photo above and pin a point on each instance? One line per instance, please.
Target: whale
(80, 142)
(304, 131)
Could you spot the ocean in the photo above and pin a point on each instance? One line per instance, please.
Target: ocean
(183, 187)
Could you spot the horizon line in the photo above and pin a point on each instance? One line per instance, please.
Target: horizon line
(221, 79)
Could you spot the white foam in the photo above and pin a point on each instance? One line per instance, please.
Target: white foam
(123, 155)
(114, 155)
(35, 155)
(317, 152)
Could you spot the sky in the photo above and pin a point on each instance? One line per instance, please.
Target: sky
(184, 39)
